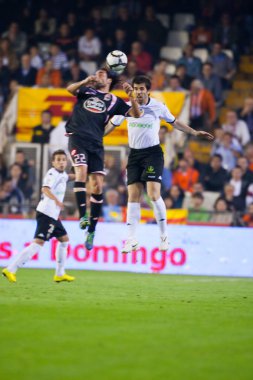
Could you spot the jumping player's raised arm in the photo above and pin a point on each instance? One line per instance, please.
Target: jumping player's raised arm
(74, 87)
(181, 126)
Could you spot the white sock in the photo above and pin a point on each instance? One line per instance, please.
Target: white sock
(133, 218)
(61, 254)
(24, 257)
(160, 215)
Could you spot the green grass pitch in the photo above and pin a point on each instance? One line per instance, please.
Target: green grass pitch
(126, 326)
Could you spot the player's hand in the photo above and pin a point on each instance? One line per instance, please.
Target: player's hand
(205, 135)
(128, 89)
(60, 204)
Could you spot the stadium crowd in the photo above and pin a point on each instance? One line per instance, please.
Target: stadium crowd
(51, 44)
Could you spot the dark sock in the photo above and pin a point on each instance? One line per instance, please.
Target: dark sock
(80, 193)
(95, 210)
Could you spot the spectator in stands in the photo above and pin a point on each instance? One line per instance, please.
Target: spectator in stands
(74, 74)
(89, 46)
(175, 84)
(159, 76)
(246, 114)
(73, 25)
(223, 66)
(55, 75)
(184, 176)
(5, 77)
(45, 82)
(45, 26)
(11, 198)
(28, 170)
(3, 169)
(240, 186)
(249, 195)
(18, 180)
(112, 178)
(226, 33)
(132, 70)
(66, 41)
(26, 74)
(58, 57)
(202, 107)
(112, 212)
(41, 133)
(197, 213)
(192, 64)
(142, 58)
(98, 24)
(8, 55)
(185, 79)
(177, 196)
(157, 33)
(247, 175)
(120, 41)
(201, 36)
(248, 217)
(222, 215)
(234, 203)
(168, 201)
(18, 39)
(189, 157)
(238, 128)
(198, 188)
(123, 20)
(228, 148)
(215, 175)
(212, 82)
(249, 156)
(36, 60)
(143, 36)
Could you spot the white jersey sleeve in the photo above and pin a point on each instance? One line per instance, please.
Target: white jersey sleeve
(166, 114)
(49, 179)
(117, 120)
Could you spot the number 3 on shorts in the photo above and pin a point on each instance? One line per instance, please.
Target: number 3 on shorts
(79, 159)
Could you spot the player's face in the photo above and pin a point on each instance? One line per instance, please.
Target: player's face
(141, 93)
(102, 79)
(60, 162)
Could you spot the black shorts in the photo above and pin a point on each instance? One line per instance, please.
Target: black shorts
(145, 165)
(48, 227)
(86, 153)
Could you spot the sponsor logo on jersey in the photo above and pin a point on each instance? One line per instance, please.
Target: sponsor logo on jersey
(136, 124)
(95, 105)
(73, 152)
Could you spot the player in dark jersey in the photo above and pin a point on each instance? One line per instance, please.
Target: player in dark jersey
(85, 128)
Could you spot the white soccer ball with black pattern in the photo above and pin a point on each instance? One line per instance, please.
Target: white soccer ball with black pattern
(116, 61)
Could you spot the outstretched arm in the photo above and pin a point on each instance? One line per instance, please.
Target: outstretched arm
(109, 128)
(186, 129)
(72, 88)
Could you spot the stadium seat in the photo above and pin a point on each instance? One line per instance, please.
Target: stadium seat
(183, 21)
(201, 54)
(170, 69)
(165, 19)
(172, 54)
(90, 67)
(177, 38)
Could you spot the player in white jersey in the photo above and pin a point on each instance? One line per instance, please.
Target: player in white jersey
(48, 222)
(145, 162)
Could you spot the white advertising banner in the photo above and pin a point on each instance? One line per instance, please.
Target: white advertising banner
(218, 251)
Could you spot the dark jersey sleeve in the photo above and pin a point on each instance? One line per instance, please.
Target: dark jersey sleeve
(120, 108)
(81, 92)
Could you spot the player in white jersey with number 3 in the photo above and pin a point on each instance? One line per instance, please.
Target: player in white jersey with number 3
(146, 162)
(48, 222)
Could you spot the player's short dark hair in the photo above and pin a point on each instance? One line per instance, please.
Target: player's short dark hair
(58, 152)
(139, 79)
(111, 75)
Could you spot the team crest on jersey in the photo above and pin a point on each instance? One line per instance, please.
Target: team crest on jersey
(73, 152)
(95, 105)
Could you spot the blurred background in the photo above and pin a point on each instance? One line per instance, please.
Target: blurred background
(199, 56)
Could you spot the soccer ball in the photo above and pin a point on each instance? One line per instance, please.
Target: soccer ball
(116, 61)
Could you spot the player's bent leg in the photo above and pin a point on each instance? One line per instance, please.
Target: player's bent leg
(22, 259)
(154, 193)
(61, 255)
(80, 194)
(96, 203)
(133, 216)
